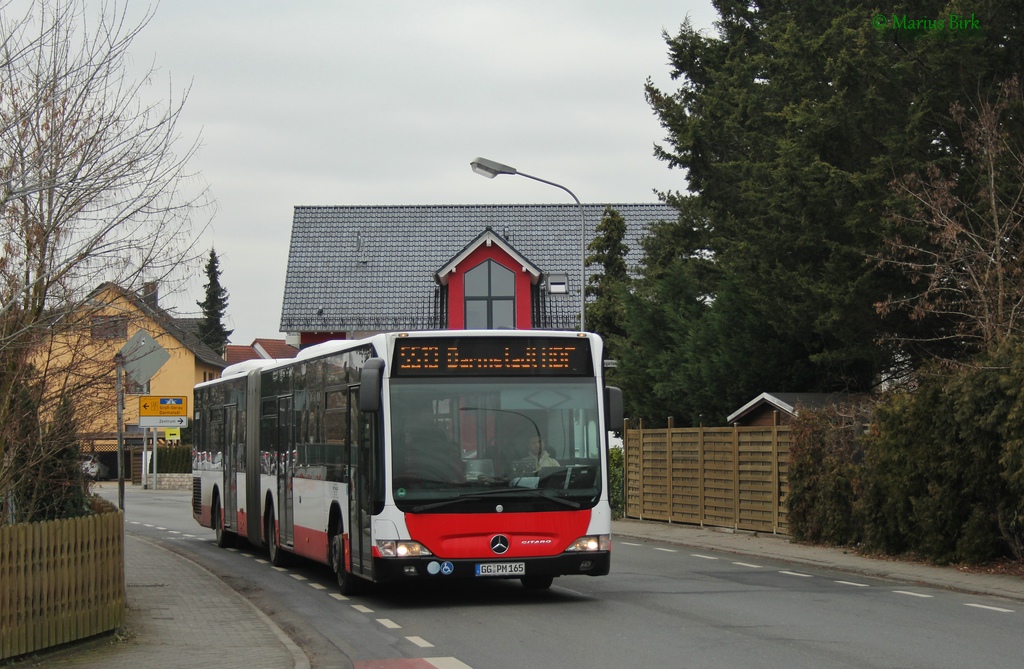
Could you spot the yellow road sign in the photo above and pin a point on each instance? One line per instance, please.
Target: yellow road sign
(152, 405)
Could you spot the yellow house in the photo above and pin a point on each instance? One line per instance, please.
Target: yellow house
(79, 362)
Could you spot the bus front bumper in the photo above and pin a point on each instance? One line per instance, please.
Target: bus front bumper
(596, 563)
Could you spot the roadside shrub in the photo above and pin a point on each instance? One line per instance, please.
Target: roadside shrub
(173, 460)
(938, 482)
(616, 479)
(825, 476)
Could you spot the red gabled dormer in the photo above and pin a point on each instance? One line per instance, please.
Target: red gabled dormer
(489, 286)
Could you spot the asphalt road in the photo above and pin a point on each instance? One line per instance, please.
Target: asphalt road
(663, 605)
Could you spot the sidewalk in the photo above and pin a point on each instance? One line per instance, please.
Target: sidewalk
(778, 547)
(180, 616)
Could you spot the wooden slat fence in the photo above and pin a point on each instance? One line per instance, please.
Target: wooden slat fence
(61, 580)
(723, 477)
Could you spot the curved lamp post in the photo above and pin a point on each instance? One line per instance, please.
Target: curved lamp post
(491, 169)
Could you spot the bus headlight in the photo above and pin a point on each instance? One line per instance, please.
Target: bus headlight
(590, 543)
(402, 549)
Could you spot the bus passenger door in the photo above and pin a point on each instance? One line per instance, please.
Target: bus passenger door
(230, 486)
(285, 463)
(359, 486)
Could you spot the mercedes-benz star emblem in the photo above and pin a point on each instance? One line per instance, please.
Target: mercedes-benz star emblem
(499, 544)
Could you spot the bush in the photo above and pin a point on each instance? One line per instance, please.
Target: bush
(172, 460)
(940, 475)
(825, 477)
(939, 481)
(616, 481)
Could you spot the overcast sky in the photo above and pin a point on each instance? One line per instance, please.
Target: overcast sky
(368, 103)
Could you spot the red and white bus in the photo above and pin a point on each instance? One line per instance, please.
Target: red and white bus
(421, 455)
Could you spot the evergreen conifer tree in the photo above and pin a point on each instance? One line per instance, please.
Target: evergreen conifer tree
(211, 328)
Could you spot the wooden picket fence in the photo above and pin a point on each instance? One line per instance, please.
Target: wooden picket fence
(734, 477)
(61, 581)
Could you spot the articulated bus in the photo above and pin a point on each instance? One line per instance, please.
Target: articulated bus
(421, 455)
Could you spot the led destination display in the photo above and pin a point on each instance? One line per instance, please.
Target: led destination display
(467, 356)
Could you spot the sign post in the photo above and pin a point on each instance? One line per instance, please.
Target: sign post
(119, 392)
(156, 411)
(140, 359)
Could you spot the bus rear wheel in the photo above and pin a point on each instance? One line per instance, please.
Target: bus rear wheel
(225, 539)
(277, 556)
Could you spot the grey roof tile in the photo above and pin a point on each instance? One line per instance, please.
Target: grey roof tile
(372, 267)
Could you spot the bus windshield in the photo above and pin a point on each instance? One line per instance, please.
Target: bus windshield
(459, 446)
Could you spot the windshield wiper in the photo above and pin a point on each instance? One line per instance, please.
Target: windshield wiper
(470, 496)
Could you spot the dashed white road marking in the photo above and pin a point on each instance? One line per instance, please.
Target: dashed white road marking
(990, 608)
(390, 624)
(447, 663)
(703, 557)
(338, 596)
(298, 577)
(665, 550)
(419, 641)
(796, 573)
(262, 561)
(913, 594)
(747, 564)
(279, 569)
(627, 543)
(362, 609)
(317, 586)
(856, 585)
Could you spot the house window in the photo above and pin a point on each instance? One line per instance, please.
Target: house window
(490, 297)
(109, 327)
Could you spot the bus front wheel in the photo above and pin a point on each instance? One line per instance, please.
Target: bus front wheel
(348, 583)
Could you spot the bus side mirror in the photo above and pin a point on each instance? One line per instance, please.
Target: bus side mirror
(370, 382)
(613, 409)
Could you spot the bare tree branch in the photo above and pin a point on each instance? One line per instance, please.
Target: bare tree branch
(95, 187)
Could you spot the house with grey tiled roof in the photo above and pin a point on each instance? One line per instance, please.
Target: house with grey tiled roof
(354, 270)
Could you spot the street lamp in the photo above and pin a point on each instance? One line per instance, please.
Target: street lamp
(491, 169)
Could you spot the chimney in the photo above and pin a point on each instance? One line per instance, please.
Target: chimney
(150, 294)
